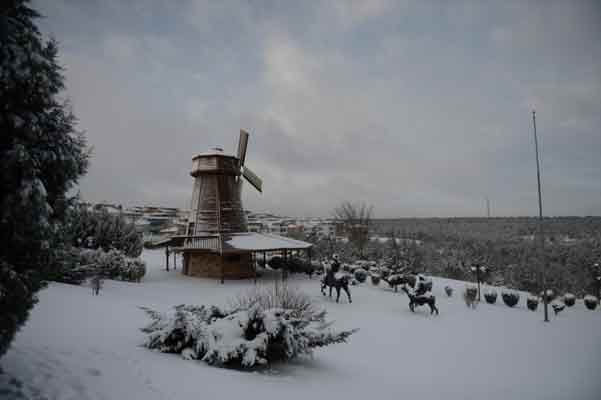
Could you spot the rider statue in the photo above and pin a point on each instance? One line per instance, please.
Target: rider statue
(334, 268)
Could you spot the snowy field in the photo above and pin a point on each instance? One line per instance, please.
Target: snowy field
(78, 346)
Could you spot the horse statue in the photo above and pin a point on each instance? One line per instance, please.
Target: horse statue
(335, 280)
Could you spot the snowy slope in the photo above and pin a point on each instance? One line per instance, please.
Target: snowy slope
(78, 346)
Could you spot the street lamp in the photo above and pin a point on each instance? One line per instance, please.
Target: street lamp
(477, 269)
(597, 269)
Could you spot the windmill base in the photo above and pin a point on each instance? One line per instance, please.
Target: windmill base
(212, 265)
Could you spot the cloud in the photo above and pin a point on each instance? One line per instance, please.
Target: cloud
(419, 109)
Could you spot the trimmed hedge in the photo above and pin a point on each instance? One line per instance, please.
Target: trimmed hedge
(532, 303)
(569, 299)
(490, 297)
(510, 299)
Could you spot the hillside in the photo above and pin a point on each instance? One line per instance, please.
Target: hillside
(79, 346)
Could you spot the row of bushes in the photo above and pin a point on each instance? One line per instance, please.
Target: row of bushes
(511, 298)
(78, 264)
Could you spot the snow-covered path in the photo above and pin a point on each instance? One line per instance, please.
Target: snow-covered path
(79, 346)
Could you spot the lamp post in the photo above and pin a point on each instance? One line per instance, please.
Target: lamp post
(477, 269)
(597, 269)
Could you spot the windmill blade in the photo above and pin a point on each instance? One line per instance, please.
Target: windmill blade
(253, 179)
(242, 143)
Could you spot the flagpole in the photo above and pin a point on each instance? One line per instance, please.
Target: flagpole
(540, 222)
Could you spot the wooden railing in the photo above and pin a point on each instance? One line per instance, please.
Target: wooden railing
(210, 242)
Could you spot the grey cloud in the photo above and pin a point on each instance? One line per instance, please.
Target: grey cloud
(418, 108)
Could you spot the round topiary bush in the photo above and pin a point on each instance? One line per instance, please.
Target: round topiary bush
(569, 299)
(448, 290)
(510, 299)
(375, 279)
(360, 275)
(532, 303)
(276, 262)
(490, 296)
(590, 302)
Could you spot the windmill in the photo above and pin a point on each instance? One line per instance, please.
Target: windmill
(216, 206)
(217, 243)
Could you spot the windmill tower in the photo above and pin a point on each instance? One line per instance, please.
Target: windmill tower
(217, 214)
(216, 206)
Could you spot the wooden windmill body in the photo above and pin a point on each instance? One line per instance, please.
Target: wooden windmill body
(217, 213)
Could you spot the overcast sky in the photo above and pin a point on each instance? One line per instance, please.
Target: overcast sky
(418, 108)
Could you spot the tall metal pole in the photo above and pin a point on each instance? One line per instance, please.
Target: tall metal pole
(540, 221)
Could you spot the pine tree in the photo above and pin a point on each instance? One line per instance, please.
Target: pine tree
(41, 158)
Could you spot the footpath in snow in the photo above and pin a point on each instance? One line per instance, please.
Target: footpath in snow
(79, 346)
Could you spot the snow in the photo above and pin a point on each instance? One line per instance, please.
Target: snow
(79, 346)
(264, 241)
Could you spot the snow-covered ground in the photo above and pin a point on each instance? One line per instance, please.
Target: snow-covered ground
(79, 346)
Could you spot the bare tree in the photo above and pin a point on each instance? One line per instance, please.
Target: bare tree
(355, 219)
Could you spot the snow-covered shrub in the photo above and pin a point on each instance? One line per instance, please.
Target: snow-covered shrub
(569, 299)
(510, 298)
(590, 302)
(469, 296)
(102, 230)
(276, 262)
(360, 275)
(385, 272)
(532, 303)
(448, 290)
(241, 338)
(490, 296)
(298, 266)
(278, 296)
(112, 264)
(375, 278)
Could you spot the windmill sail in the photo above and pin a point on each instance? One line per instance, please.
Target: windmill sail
(242, 143)
(253, 179)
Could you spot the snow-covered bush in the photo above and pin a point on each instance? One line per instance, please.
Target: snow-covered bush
(490, 296)
(385, 272)
(278, 296)
(375, 278)
(448, 290)
(360, 275)
(510, 298)
(532, 303)
(569, 299)
(276, 262)
(103, 230)
(298, 266)
(469, 296)
(590, 302)
(112, 264)
(241, 338)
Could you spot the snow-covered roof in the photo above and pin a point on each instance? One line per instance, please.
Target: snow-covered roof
(262, 242)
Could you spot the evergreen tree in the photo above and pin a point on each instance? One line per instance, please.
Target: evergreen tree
(41, 158)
